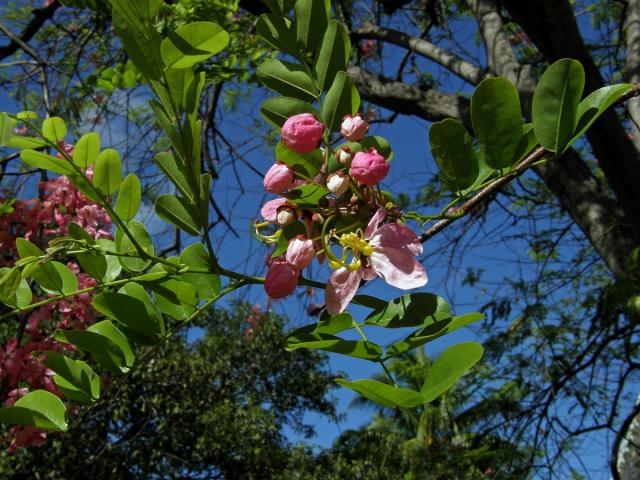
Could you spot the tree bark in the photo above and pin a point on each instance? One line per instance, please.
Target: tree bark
(552, 26)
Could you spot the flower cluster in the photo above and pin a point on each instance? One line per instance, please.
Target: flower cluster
(21, 358)
(354, 215)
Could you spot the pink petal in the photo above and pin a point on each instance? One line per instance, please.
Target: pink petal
(395, 235)
(269, 210)
(341, 288)
(379, 216)
(398, 268)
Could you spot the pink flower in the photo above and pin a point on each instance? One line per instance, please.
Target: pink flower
(278, 178)
(369, 167)
(354, 128)
(300, 252)
(281, 280)
(389, 253)
(302, 132)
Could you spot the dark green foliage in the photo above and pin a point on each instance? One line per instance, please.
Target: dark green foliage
(213, 408)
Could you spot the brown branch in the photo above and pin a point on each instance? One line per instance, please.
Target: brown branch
(40, 16)
(461, 67)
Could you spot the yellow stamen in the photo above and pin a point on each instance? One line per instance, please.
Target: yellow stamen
(356, 242)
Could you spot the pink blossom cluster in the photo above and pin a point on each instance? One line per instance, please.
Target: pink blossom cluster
(386, 248)
(38, 219)
(21, 358)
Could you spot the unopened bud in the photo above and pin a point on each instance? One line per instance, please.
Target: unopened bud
(354, 128)
(344, 156)
(300, 252)
(285, 217)
(278, 178)
(338, 183)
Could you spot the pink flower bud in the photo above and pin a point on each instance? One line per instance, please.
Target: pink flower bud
(338, 183)
(354, 128)
(281, 280)
(302, 133)
(300, 252)
(285, 217)
(344, 156)
(369, 167)
(278, 178)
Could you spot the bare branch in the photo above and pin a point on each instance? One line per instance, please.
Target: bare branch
(464, 69)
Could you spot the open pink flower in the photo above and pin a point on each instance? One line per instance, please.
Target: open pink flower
(388, 252)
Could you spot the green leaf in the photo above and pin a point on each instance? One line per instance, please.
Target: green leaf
(175, 298)
(76, 379)
(555, 104)
(167, 163)
(307, 196)
(130, 312)
(18, 141)
(10, 280)
(105, 342)
(309, 337)
(307, 164)
(595, 104)
(452, 150)
(193, 43)
(132, 22)
(177, 211)
(113, 264)
(54, 129)
(411, 310)
(449, 367)
(107, 174)
(341, 99)
(43, 272)
(333, 324)
(384, 394)
(497, 121)
(276, 31)
(47, 162)
(49, 282)
(40, 409)
(311, 19)
(277, 110)
(128, 201)
(93, 264)
(333, 56)
(22, 295)
(7, 124)
(432, 331)
(124, 245)
(286, 78)
(86, 150)
(207, 284)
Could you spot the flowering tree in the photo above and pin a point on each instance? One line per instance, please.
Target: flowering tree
(331, 206)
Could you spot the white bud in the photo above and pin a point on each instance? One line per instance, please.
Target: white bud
(285, 217)
(337, 183)
(344, 157)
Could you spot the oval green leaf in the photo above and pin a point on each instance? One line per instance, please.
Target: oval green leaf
(555, 104)
(128, 201)
(452, 364)
(497, 121)
(341, 99)
(192, 44)
(107, 174)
